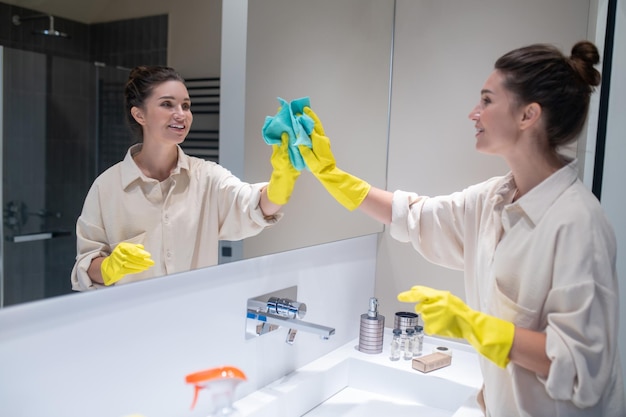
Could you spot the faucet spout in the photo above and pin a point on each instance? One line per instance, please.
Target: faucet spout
(294, 324)
(268, 312)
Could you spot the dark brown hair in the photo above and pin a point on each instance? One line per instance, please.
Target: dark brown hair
(141, 82)
(562, 86)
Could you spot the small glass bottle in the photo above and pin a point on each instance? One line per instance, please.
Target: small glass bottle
(419, 341)
(396, 345)
(409, 343)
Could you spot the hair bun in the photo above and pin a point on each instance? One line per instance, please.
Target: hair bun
(583, 59)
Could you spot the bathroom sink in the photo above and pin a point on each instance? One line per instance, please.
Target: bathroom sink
(378, 390)
(347, 382)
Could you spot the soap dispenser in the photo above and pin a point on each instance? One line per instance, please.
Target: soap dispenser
(372, 329)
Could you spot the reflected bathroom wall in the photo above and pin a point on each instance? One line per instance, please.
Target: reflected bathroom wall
(345, 69)
(63, 124)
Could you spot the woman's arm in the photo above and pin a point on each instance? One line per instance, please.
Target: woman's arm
(267, 207)
(94, 271)
(529, 351)
(377, 205)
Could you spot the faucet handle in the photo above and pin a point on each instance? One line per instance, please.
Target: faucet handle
(286, 308)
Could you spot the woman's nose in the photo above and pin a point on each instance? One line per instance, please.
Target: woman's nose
(474, 114)
(179, 112)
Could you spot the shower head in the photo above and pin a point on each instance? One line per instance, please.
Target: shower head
(51, 31)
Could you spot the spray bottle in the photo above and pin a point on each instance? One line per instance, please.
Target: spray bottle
(221, 383)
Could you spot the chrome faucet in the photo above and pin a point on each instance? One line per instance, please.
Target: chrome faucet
(268, 312)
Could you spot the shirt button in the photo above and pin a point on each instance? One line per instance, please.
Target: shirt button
(166, 219)
(169, 254)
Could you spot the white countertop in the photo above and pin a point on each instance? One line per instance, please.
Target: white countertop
(347, 382)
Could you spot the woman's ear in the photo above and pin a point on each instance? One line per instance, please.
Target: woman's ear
(531, 115)
(137, 114)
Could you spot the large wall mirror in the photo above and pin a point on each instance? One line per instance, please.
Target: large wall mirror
(64, 61)
(340, 54)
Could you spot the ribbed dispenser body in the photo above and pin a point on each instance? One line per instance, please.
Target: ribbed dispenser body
(371, 333)
(372, 329)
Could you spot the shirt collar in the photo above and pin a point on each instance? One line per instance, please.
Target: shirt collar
(538, 200)
(131, 172)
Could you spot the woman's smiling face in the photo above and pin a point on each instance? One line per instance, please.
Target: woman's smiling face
(166, 114)
(496, 117)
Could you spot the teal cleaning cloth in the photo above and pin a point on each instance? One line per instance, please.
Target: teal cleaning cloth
(291, 119)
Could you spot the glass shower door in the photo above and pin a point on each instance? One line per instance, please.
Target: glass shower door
(47, 166)
(23, 151)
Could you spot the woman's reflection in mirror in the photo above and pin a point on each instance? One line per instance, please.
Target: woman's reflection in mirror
(161, 211)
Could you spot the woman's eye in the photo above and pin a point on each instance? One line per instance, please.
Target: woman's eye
(166, 104)
(186, 106)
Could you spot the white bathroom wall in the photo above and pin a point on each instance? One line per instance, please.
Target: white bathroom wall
(613, 197)
(443, 53)
(127, 349)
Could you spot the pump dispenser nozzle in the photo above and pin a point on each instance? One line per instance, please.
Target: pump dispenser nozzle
(373, 311)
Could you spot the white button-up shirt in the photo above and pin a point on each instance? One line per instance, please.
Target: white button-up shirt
(545, 263)
(179, 220)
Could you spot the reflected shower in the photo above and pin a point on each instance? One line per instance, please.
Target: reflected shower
(50, 31)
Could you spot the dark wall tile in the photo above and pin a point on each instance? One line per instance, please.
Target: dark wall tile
(131, 42)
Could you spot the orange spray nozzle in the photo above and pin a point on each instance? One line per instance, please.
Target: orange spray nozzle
(203, 379)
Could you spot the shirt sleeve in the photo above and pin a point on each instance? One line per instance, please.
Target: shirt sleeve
(582, 313)
(240, 214)
(89, 238)
(433, 225)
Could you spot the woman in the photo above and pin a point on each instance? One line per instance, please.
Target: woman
(160, 211)
(537, 251)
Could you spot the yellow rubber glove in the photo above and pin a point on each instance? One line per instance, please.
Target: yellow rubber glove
(284, 175)
(447, 315)
(126, 258)
(347, 189)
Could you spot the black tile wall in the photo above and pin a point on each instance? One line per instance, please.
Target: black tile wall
(85, 130)
(112, 129)
(70, 150)
(124, 43)
(22, 172)
(127, 43)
